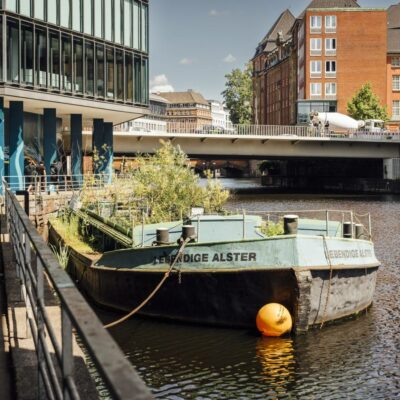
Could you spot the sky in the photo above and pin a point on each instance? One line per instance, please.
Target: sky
(194, 43)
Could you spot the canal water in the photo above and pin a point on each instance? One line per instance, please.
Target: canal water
(356, 359)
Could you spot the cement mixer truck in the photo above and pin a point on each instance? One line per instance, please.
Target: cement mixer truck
(337, 122)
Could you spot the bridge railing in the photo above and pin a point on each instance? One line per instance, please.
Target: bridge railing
(259, 130)
(35, 263)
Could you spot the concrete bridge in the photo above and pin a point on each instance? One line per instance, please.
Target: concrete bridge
(260, 142)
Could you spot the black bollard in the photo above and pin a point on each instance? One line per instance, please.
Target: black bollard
(347, 230)
(188, 231)
(162, 236)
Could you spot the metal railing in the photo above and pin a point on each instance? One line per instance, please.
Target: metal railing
(35, 262)
(260, 130)
(37, 184)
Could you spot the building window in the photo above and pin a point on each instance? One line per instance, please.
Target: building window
(99, 70)
(129, 77)
(316, 89)
(117, 21)
(396, 110)
(137, 83)
(41, 57)
(52, 8)
(136, 25)
(39, 9)
(78, 66)
(395, 61)
(65, 14)
(316, 46)
(89, 70)
(315, 68)
(128, 23)
(76, 15)
(316, 23)
(145, 86)
(144, 26)
(330, 46)
(66, 63)
(27, 54)
(110, 72)
(87, 17)
(330, 69)
(396, 82)
(119, 59)
(25, 7)
(330, 23)
(98, 18)
(108, 21)
(330, 89)
(11, 5)
(55, 60)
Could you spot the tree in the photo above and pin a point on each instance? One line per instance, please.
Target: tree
(238, 94)
(366, 105)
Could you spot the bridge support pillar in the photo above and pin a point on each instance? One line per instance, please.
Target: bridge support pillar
(391, 169)
(108, 150)
(16, 140)
(49, 138)
(76, 146)
(98, 145)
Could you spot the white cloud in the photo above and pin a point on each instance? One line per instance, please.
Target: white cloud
(217, 13)
(229, 59)
(186, 61)
(160, 83)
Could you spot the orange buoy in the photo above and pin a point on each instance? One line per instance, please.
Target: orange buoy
(274, 320)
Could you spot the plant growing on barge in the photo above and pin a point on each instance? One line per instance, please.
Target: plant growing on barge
(163, 185)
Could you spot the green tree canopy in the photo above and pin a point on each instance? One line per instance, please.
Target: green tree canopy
(238, 94)
(366, 105)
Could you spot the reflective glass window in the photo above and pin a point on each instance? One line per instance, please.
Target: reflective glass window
(54, 60)
(119, 60)
(144, 26)
(108, 20)
(110, 72)
(145, 82)
(136, 25)
(98, 18)
(39, 9)
(129, 77)
(27, 54)
(89, 68)
(11, 5)
(87, 17)
(117, 21)
(137, 71)
(25, 7)
(76, 15)
(66, 52)
(100, 70)
(78, 66)
(128, 23)
(12, 51)
(41, 57)
(52, 6)
(1, 49)
(65, 14)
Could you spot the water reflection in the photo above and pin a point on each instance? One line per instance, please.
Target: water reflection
(357, 359)
(276, 356)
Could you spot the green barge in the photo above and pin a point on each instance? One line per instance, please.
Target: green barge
(229, 269)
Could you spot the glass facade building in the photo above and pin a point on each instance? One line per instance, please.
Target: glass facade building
(96, 49)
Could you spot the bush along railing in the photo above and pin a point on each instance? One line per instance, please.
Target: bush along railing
(34, 263)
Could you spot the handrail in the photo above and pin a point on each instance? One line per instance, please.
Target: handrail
(118, 374)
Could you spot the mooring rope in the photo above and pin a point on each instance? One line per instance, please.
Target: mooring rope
(328, 258)
(156, 289)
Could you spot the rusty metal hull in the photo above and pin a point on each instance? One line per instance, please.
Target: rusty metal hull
(230, 297)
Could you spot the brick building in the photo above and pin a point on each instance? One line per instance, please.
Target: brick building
(333, 48)
(189, 109)
(393, 66)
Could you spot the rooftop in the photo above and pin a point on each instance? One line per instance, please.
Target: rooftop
(188, 97)
(333, 4)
